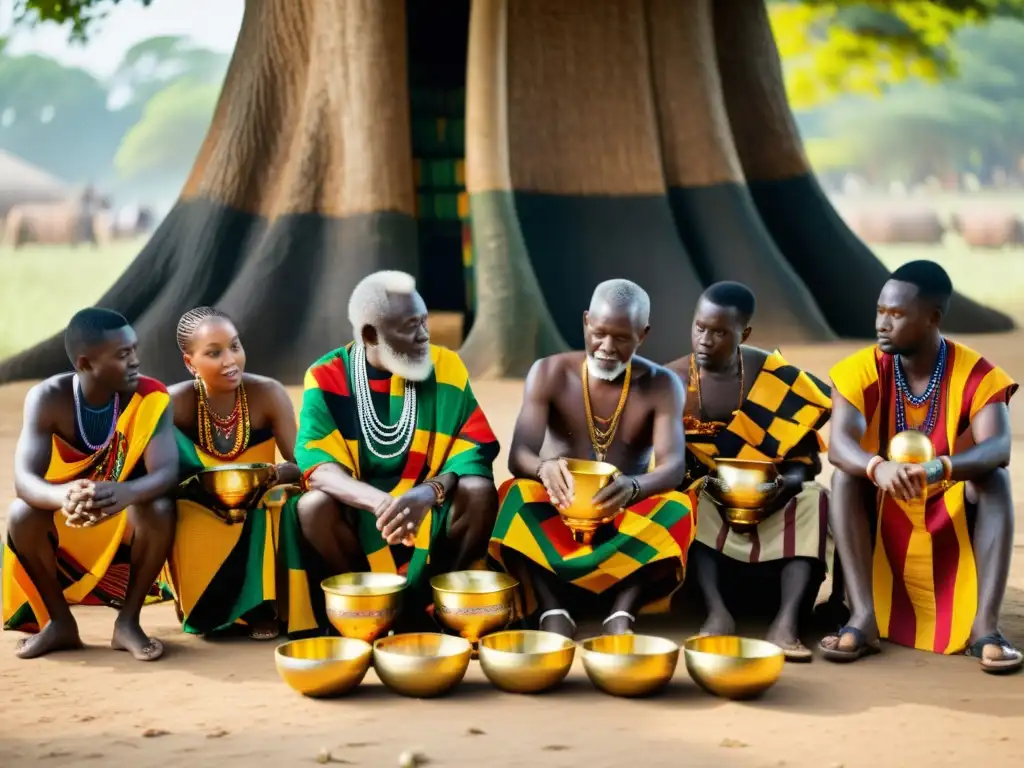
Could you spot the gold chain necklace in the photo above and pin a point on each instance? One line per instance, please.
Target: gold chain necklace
(207, 419)
(694, 383)
(601, 439)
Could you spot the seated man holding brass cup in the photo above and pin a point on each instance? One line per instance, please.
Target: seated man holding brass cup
(760, 417)
(923, 522)
(569, 527)
(396, 454)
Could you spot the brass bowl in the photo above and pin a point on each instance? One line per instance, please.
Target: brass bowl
(630, 665)
(235, 488)
(474, 603)
(581, 516)
(323, 666)
(363, 605)
(421, 664)
(911, 447)
(733, 667)
(742, 488)
(525, 660)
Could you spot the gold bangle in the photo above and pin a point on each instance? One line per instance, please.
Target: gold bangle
(947, 468)
(438, 491)
(872, 466)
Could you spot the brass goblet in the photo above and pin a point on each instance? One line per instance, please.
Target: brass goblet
(742, 488)
(233, 489)
(912, 446)
(363, 605)
(474, 603)
(733, 667)
(581, 516)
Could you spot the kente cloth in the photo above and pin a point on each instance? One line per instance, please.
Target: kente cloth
(220, 572)
(924, 575)
(452, 436)
(798, 529)
(92, 563)
(660, 527)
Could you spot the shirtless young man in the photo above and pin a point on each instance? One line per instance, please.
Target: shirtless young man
(94, 468)
(606, 404)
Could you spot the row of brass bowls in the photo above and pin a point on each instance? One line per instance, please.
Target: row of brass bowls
(429, 664)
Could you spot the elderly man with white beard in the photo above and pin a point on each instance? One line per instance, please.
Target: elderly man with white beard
(605, 404)
(396, 458)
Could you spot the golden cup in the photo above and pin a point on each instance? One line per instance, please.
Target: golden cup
(525, 660)
(323, 666)
(911, 447)
(742, 488)
(474, 603)
(630, 665)
(234, 488)
(363, 605)
(581, 516)
(733, 667)
(421, 664)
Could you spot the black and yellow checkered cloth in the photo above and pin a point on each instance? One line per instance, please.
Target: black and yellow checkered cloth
(780, 420)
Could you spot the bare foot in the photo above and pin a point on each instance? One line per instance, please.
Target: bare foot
(558, 622)
(128, 636)
(718, 623)
(55, 636)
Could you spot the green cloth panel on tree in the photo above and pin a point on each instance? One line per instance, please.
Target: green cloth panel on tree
(446, 206)
(438, 175)
(438, 137)
(438, 102)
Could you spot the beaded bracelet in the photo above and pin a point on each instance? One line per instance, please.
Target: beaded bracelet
(872, 466)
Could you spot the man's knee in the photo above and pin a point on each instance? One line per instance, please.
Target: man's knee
(475, 503)
(25, 523)
(315, 511)
(995, 483)
(158, 516)
(847, 493)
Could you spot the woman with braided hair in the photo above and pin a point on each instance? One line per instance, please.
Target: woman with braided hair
(225, 575)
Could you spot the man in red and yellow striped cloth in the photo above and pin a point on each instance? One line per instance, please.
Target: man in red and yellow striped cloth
(605, 403)
(746, 403)
(94, 469)
(937, 574)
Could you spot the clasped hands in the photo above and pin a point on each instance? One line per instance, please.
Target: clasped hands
(557, 480)
(88, 503)
(904, 482)
(399, 518)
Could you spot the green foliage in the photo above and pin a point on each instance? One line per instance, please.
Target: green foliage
(150, 65)
(80, 14)
(867, 46)
(165, 141)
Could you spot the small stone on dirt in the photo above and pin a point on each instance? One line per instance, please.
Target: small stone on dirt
(218, 734)
(732, 744)
(152, 733)
(474, 732)
(412, 759)
(323, 756)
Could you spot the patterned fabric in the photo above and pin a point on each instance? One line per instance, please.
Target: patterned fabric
(924, 578)
(92, 563)
(452, 436)
(780, 420)
(799, 529)
(220, 572)
(657, 528)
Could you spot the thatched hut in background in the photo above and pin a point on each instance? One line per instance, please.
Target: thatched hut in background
(21, 182)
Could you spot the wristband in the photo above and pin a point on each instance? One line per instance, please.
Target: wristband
(947, 468)
(635, 493)
(438, 491)
(872, 466)
(934, 470)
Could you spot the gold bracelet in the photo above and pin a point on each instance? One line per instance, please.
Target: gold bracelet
(438, 491)
(872, 466)
(947, 468)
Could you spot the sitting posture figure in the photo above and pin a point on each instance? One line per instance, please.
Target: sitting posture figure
(942, 529)
(610, 405)
(224, 574)
(743, 402)
(396, 453)
(94, 468)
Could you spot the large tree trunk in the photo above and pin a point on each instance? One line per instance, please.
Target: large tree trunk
(646, 139)
(302, 187)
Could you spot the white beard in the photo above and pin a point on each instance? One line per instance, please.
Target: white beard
(605, 374)
(404, 366)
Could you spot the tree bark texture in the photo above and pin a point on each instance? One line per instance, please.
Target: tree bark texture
(645, 139)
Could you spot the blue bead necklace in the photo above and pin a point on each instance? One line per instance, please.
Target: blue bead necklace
(931, 394)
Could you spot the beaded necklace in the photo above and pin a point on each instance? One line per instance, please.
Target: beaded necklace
(79, 407)
(931, 394)
(400, 433)
(238, 422)
(601, 438)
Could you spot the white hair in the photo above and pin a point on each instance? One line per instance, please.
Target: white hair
(623, 294)
(369, 301)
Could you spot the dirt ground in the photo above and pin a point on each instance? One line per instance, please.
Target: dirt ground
(207, 704)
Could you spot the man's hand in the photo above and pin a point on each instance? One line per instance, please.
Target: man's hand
(616, 495)
(780, 494)
(399, 519)
(905, 482)
(557, 481)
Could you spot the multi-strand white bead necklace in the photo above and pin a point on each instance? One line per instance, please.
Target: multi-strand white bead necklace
(386, 435)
